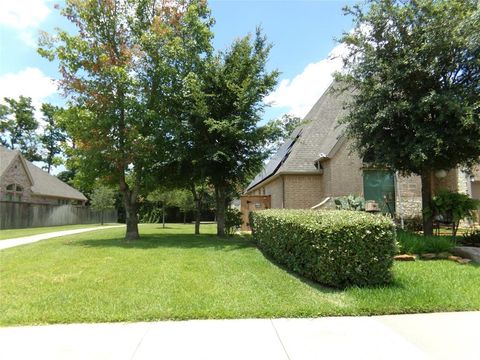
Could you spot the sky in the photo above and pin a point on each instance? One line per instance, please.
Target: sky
(303, 35)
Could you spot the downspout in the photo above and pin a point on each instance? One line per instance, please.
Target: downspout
(283, 192)
(398, 199)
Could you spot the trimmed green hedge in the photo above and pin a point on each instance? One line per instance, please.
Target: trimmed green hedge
(335, 248)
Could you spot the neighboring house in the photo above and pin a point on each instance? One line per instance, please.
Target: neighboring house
(21, 181)
(317, 164)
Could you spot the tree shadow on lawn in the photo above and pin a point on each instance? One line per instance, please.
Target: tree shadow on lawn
(180, 241)
(208, 241)
(394, 284)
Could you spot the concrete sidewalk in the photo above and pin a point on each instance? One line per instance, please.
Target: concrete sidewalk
(418, 336)
(8, 243)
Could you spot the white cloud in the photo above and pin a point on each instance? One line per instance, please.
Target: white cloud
(31, 82)
(301, 93)
(24, 16)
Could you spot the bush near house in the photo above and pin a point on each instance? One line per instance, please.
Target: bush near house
(334, 248)
(411, 243)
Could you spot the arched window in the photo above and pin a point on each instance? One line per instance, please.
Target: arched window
(14, 192)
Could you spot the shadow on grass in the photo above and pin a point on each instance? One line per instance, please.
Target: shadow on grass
(180, 241)
(394, 284)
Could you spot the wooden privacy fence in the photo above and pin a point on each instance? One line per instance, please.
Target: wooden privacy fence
(16, 215)
(250, 203)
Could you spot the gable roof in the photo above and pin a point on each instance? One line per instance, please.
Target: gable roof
(315, 139)
(42, 182)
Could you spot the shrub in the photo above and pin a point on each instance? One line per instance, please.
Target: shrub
(471, 238)
(453, 206)
(413, 224)
(411, 243)
(350, 202)
(233, 220)
(335, 248)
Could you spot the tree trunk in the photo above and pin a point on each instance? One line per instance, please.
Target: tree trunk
(455, 225)
(130, 202)
(131, 216)
(184, 217)
(163, 216)
(426, 177)
(102, 216)
(220, 199)
(198, 208)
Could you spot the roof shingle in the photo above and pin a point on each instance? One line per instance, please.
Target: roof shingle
(43, 183)
(315, 138)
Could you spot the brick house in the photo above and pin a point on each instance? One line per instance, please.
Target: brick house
(316, 164)
(21, 181)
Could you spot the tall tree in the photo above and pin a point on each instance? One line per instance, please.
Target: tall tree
(18, 126)
(103, 198)
(114, 71)
(414, 69)
(53, 136)
(285, 125)
(236, 83)
(185, 56)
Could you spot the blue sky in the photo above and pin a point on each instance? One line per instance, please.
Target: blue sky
(302, 33)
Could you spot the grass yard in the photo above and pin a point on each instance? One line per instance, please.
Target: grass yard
(170, 274)
(16, 233)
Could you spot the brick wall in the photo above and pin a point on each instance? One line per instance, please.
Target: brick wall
(16, 174)
(449, 182)
(409, 202)
(343, 173)
(275, 189)
(303, 191)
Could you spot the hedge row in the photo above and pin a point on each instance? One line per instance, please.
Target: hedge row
(334, 248)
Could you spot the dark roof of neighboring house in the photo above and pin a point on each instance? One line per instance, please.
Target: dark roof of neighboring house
(311, 141)
(42, 182)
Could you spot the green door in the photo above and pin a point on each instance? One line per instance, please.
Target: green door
(379, 185)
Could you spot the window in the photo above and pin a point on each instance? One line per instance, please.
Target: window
(14, 192)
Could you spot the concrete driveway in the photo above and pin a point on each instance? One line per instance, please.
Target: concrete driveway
(419, 336)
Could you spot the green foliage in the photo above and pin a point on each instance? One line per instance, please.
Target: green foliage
(284, 127)
(470, 238)
(236, 84)
(228, 142)
(233, 220)
(18, 126)
(150, 215)
(152, 209)
(413, 224)
(102, 198)
(415, 70)
(334, 248)
(53, 136)
(454, 206)
(411, 243)
(120, 71)
(350, 202)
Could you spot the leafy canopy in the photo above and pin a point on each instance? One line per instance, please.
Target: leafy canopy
(103, 198)
(18, 126)
(53, 136)
(414, 68)
(237, 82)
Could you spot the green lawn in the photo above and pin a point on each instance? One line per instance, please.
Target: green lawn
(170, 274)
(16, 233)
